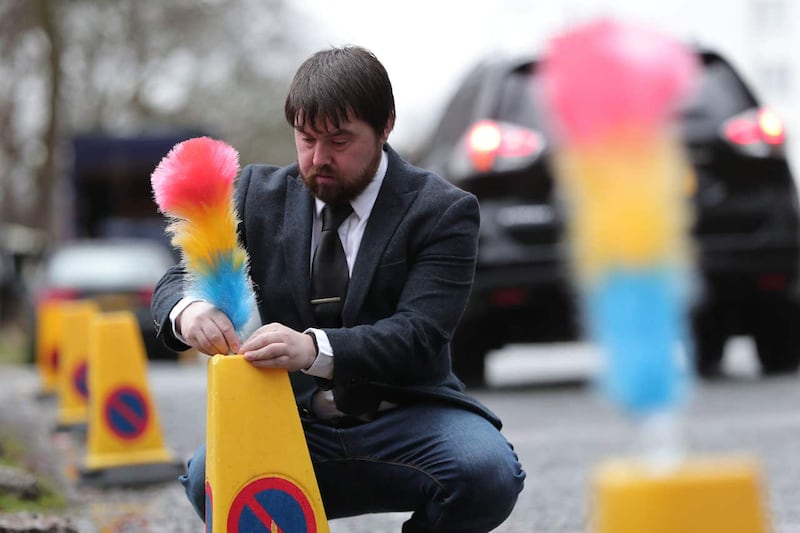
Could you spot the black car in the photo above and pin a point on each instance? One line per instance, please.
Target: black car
(746, 228)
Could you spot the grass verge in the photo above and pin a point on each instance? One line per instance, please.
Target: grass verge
(14, 453)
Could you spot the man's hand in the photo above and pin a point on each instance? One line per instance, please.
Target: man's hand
(278, 346)
(208, 329)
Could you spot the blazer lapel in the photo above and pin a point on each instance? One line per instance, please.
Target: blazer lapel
(389, 208)
(297, 221)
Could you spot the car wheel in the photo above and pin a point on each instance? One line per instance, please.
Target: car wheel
(468, 349)
(710, 332)
(155, 349)
(776, 333)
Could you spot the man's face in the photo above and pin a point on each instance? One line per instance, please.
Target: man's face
(337, 164)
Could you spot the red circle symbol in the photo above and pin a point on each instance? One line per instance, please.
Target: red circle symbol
(79, 380)
(126, 413)
(209, 508)
(52, 360)
(271, 504)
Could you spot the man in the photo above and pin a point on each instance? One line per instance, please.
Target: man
(387, 424)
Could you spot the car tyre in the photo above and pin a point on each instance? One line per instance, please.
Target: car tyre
(469, 349)
(710, 333)
(776, 332)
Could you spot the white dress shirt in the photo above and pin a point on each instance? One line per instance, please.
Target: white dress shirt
(350, 233)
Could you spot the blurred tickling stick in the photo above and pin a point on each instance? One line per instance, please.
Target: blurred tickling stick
(612, 90)
(259, 474)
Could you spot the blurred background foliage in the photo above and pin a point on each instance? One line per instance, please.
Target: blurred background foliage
(134, 67)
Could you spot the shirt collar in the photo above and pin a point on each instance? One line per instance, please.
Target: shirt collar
(362, 204)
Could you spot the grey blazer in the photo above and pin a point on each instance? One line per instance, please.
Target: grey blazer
(408, 289)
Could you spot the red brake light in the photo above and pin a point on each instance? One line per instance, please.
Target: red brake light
(759, 132)
(57, 295)
(742, 131)
(509, 297)
(146, 296)
(773, 282)
(483, 144)
(771, 127)
(520, 142)
(488, 140)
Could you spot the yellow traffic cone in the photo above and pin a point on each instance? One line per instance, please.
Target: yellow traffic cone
(48, 341)
(124, 441)
(259, 475)
(73, 390)
(702, 495)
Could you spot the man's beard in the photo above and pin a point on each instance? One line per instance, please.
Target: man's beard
(342, 190)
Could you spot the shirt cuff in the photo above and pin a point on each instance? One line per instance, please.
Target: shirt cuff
(182, 304)
(322, 367)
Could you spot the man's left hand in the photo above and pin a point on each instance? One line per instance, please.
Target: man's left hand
(277, 346)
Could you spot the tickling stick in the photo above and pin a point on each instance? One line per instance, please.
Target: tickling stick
(193, 185)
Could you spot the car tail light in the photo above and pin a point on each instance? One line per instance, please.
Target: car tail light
(509, 297)
(488, 140)
(773, 282)
(146, 297)
(57, 295)
(757, 132)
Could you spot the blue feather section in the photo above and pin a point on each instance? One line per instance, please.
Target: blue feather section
(227, 287)
(637, 316)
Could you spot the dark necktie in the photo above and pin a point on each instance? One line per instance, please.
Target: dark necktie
(329, 273)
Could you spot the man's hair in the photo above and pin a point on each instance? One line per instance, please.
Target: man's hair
(340, 84)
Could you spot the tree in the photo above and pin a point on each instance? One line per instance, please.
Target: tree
(129, 67)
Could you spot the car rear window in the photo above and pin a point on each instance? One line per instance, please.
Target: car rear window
(719, 94)
(518, 99)
(458, 116)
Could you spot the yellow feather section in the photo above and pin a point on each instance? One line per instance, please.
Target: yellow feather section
(629, 204)
(210, 234)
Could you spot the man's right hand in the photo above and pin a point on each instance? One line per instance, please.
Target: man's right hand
(208, 329)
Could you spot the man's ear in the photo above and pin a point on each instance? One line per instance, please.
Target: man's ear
(387, 129)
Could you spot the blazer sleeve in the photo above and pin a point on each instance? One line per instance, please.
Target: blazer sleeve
(168, 292)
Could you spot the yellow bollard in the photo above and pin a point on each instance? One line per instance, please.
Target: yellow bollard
(124, 440)
(259, 475)
(702, 495)
(73, 390)
(48, 342)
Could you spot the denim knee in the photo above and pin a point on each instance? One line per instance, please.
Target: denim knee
(483, 493)
(194, 482)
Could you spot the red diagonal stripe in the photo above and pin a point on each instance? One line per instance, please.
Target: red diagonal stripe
(261, 513)
(129, 414)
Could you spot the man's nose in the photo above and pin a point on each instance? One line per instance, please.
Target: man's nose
(322, 155)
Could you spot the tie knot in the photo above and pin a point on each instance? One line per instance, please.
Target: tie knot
(334, 215)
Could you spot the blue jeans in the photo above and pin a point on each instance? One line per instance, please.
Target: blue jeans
(451, 467)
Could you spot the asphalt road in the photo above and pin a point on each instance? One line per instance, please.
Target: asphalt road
(561, 427)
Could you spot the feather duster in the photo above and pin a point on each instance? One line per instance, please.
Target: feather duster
(193, 187)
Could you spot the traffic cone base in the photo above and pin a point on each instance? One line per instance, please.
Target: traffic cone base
(131, 457)
(258, 469)
(134, 475)
(77, 426)
(124, 433)
(703, 495)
